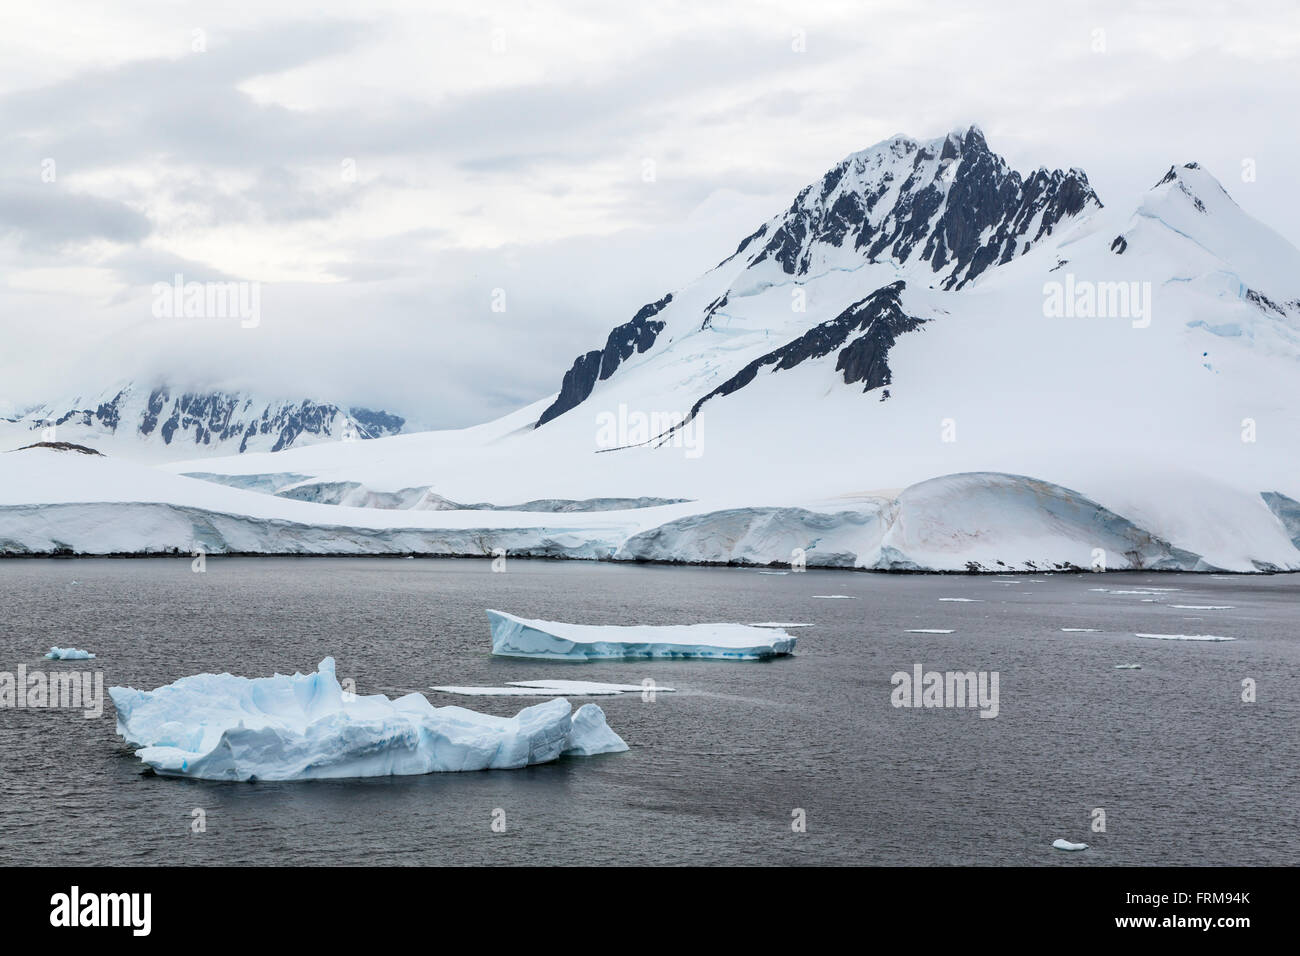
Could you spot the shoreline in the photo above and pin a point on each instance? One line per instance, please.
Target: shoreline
(981, 572)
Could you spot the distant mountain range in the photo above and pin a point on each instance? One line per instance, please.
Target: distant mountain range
(160, 423)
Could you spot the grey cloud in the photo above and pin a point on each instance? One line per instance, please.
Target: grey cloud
(44, 215)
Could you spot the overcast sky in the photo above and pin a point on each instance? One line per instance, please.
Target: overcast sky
(381, 168)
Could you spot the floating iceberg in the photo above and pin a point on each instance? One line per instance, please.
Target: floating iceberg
(304, 727)
(69, 654)
(547, 688)
(516, 637)
(1067, 845)
(1185, 637)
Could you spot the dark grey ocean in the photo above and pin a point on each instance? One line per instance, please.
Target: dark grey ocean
(1183, 769)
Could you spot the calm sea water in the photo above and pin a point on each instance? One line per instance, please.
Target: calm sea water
(1185, 771)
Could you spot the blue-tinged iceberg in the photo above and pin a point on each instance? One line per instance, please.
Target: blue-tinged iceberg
(305, 727)
(517, 637)
(69, 654)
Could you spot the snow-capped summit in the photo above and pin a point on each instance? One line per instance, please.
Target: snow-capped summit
(1189, 213)
(939, 213)
(950, 203)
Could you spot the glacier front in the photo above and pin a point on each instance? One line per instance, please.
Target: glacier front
(305, 727)
(517, 637)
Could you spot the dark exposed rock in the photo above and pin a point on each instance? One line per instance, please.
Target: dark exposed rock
(1119, 245)
(376, 424)
(62, 446)
(864, 359)
(1262, 301)
(637, 335)
(209, 418)
(940, 215)
(578, 382)
(713, 307)
(879, 317)
(634, 336)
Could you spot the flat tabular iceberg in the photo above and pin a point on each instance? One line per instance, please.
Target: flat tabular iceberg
(69, 654)
(1185, 637)
(517, 637)
(546, 688)
(304, 727)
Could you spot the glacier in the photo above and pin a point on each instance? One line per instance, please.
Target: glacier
(305, 727)
(518, 637)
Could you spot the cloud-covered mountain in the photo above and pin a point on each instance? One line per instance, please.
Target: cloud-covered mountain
(162, 423)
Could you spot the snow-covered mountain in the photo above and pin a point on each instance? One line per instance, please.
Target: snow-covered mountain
(928, 360)
(944, 211)
(161, 423)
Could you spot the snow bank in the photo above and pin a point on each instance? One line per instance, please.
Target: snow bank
(999, 522)
(760, 536)
(982, 521)
(517, 637)
(304, 727)
(69, 654)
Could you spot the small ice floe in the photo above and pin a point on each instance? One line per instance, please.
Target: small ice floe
(1128, 667)
(306, 727)
(773, 572)
(836, 597)
(1147, 592)
(928, 630)
(962, 600)
(549, 688)
(1080, 630)
(69, 654)
(1203, 607)
(517, 637)
(1067, 845)
(1186, 637)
